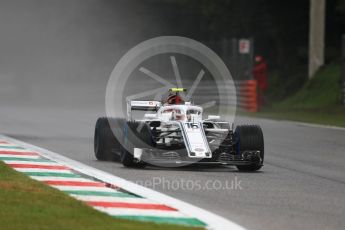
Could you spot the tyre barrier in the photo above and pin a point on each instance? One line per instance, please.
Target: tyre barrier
(247, 95)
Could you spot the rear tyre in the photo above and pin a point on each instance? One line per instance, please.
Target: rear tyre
(250, 137)
(136, 135)
(106, 145)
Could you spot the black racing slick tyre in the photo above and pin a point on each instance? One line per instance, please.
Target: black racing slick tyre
(250, 138)
(106, 145)
(136, 135)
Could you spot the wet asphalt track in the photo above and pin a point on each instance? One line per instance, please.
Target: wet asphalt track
(55, 60)
(301, 186)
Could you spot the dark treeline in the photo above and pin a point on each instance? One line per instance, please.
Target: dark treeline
(81, 39)
(280, 29)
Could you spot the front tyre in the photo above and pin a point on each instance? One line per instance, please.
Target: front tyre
(106, 145)
(250, 138)
(136, 135)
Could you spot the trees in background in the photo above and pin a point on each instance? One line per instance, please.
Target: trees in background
(280, 30)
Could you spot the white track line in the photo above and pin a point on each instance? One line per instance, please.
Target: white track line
(24, 170)
(213, 221)
(51, 178)
(82, 188)
(8, 144)
(16, 150)
(93, 189)
(141, 212)
(18, 162)
(298, 123)
(113, 199)
(20, 156)
(316, 125)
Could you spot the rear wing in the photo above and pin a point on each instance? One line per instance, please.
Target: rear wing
(142, 106)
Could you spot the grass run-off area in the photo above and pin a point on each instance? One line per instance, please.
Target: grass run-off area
(318, 101)
(29, 204)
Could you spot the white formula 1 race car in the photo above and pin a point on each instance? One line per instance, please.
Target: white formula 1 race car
(173, 132)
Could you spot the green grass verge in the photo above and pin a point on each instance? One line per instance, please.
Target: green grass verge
(29, 204)
(322, 92)
(318, 101)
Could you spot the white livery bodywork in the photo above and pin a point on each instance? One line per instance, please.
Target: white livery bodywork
(187, 117)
